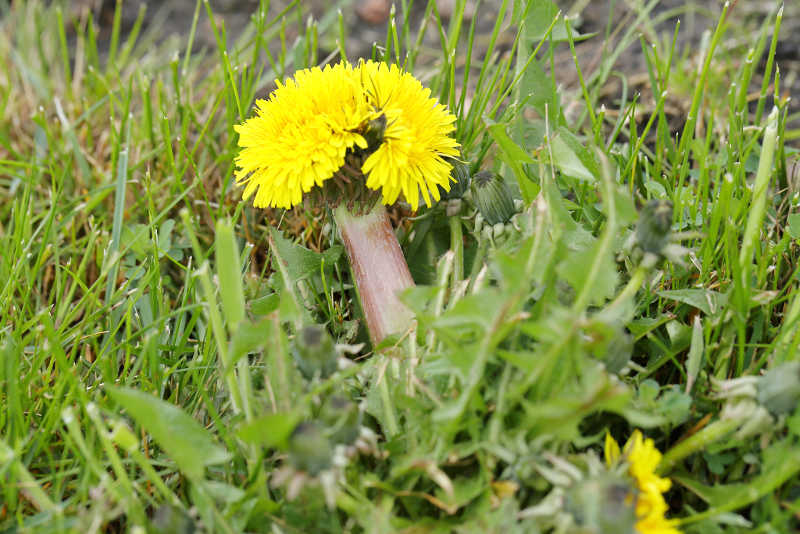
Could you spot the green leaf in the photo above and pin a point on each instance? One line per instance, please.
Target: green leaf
(653, 406)
(185, 440)
(575, 269)
(626, 209)
(136, 238)
(266, 304)
(229, 274)
(222, 492)
(695, 353)
(299, 261)
(567, 161)
(249, 337)
(539, 91)
(574, 235)
(706, 300)
(514, 156)
(540, 16)
(644, 325)
(462, 359)
(781, 463)
(464, 490)
(509, 148)
(272, 430)
(794, 225)
(555, 204)
(470, 311)
(525, 360)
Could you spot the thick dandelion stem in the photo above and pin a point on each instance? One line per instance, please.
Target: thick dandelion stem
(379, 269)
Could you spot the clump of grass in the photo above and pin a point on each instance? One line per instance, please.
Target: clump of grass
(173, 357)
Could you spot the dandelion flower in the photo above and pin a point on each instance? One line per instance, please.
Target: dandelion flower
(642, 458)
(410, 160)
(301, 135)
(353, 136)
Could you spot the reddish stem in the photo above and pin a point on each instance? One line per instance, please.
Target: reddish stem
(379, 268)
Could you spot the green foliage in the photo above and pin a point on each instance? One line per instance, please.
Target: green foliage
(183, 438)
(172, 358)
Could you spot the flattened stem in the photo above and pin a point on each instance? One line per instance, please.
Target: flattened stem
(379, 268)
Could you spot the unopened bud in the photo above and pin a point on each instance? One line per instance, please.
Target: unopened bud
(779, 388)
(314, 352)
(655, 223)
(373, 135)
(309, 449)
(342, 420)
(169, 519)
(492, 197)
(459, 183)
(603, 504)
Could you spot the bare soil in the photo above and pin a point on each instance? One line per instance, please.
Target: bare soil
(367, 21)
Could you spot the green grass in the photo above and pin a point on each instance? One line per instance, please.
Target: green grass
(153, 370)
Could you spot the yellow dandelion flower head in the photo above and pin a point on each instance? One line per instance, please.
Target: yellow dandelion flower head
(410, 159)
(642, 458)
(300, 135)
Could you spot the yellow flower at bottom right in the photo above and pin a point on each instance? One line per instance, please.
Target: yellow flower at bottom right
(642, 458)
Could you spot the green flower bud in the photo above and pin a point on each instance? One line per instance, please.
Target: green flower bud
(169, 519)
(492, 197)
(309, 449)
(779, 388)
(603, 504)
(373, 135)
(655, 223)
(342, 420)
(314, 352)
(460, 174)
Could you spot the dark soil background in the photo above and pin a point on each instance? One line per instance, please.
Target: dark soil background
(367, 21)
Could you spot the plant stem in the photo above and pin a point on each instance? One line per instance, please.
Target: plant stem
(630, 289)
(457, 246)
(379, 270)
(386, 401)
(713, 432)
(758, 204)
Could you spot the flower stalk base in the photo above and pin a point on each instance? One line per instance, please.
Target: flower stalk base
(379, 268)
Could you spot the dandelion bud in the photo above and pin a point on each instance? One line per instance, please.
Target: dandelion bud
(314, 352)
(492, 197)
(779, 388)
(309, 449)
(655, 222)
(603, 504)
(169, 519)
(460, 179)
(342, 419)
(374, 133)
